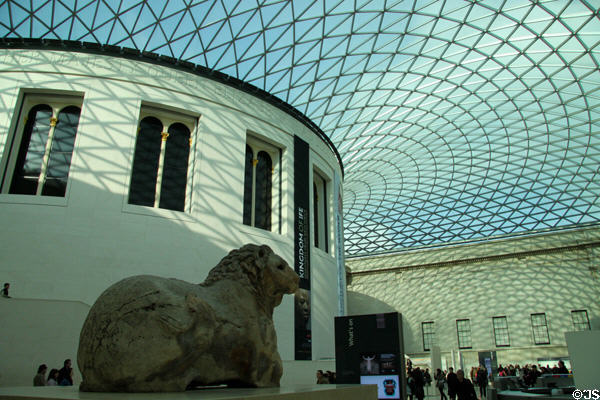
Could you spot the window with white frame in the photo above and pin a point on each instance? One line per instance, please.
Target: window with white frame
(320, 214)
(501, 336)
(463, 333)
(539, 326)
(41, 148)
(428, 332)
(262, 185)
(163, 160)
(581, 321)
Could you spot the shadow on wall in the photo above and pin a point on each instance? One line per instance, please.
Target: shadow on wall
(38, 332)
(478, 288)
(92, 238)
(94, 245)
(361, 304)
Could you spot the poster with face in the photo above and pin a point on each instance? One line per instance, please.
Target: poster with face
(302, 332)
(302, 309)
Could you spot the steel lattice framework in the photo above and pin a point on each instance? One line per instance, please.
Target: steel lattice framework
(456, 120)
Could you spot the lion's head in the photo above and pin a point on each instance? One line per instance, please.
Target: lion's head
(260, 268)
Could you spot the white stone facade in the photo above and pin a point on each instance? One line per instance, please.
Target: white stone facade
(552, 273)
(71, 248)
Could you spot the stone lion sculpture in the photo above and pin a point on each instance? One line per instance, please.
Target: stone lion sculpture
(152, 334)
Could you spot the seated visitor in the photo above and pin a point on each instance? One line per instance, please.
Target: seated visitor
(65, 375)
(52, 378)
(40, 378)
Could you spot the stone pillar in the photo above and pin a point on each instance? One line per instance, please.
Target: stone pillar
(584, 353)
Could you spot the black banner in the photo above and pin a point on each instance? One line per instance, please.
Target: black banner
(302, 249)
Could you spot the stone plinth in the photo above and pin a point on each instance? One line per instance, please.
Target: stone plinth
(299, 392)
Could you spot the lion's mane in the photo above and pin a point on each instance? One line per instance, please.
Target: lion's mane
(245, 265)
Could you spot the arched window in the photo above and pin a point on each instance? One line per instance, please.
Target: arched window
(259, 178)
(248, 186)
(61, 151)
(45, 140)
(316, 214)
(31, 152)
(264, 184)
(161, 162)
(320, 212)
(142, 189)
(175, 170)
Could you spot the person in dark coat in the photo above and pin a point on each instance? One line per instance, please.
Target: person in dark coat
(532, 375)
(427, 377)
(464, 387)
(65, 374)
(452, 381)
(419, 383)
(5, 290)
(560, 369)
(440, 382)
(410, 383)
(482, 381)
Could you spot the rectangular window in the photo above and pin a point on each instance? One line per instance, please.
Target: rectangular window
(41, 148)
(540, 328)
(428, 335)
(501, 337)
(162, 164)
(262, 185)
(320, 206)
(463, 332)
(581, 321)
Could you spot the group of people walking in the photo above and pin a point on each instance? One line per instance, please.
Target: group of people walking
(459, 387)
(416, 379)
(56, 377)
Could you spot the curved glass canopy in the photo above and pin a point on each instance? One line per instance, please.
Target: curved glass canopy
(456, 120)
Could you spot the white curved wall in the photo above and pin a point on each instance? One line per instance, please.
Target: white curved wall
(72, 248)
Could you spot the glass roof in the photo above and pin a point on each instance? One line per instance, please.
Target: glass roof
(456, 120)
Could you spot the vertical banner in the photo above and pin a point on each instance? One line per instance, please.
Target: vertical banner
(302, 314)
(339, 242)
